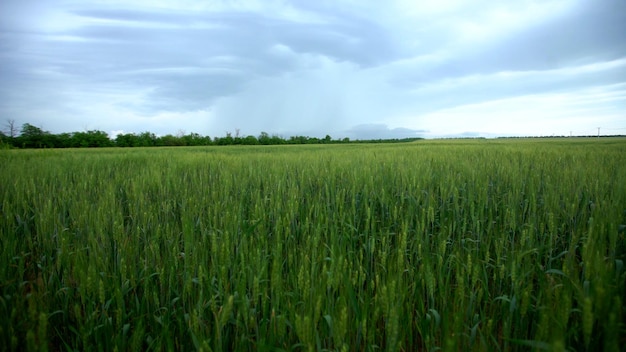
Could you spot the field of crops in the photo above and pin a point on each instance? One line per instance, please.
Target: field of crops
(470, 245)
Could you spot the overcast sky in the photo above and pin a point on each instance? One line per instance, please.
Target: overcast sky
(347, 68)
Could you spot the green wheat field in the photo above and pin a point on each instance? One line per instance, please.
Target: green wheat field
(451, 245)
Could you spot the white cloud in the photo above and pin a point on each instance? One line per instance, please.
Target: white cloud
(534, 114)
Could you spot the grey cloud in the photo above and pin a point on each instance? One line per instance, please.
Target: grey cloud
(116, 14)
(356, 41)
(476, 88)
(330, 66)
(109, 50)
(579, 37)
(347, 38)
(191, 91)
(132, 49)
(592, 32)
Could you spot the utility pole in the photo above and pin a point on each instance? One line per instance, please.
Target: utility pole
(598, 132)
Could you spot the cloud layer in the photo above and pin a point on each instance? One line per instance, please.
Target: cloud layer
(358, 69)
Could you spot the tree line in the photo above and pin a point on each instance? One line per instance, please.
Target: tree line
(34, 137)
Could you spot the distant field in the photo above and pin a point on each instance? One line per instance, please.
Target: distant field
(459, 245)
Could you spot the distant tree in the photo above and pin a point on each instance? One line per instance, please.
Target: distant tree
(170, 141)
(206, 140)
(126, 140)
(100, 139)
(298, 140)
(35, 137)
(194, 139)
(146, 139)
(228, 140)
(32, 137)
(90, 139)
(276, 139)
(250, 140)
(264, 138)
(65, 140)
(29, 130)
(11, 129)
(4, 141)
(51, 140)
